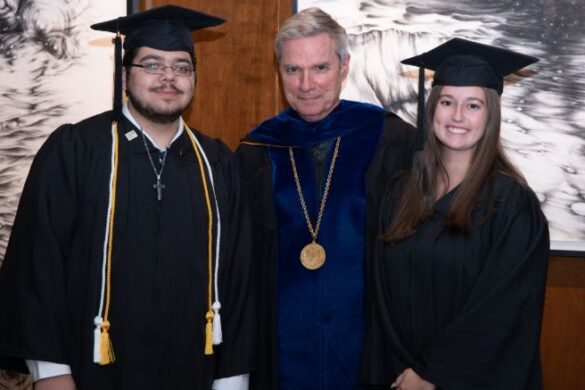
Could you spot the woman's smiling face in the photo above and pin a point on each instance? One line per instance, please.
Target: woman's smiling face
(460, 119)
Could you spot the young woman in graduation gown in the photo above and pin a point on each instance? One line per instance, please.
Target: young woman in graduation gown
(458, 248)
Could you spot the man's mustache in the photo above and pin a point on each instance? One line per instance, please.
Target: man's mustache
(166, 88)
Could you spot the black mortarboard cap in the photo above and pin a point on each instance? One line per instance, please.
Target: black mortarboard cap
(165, 28)
(459, 62)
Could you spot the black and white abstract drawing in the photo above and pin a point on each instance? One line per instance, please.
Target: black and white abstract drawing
(53, 70)
(544, 118)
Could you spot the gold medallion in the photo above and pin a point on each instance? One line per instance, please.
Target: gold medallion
(313, 256)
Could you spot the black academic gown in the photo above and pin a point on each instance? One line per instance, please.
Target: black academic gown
(392, 153)
(50, 280)
(463, 311)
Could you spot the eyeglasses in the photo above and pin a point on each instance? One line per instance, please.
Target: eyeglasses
(154, 68)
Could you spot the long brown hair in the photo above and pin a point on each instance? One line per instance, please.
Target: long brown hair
(418, 195)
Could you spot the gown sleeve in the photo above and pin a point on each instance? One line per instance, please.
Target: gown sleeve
(382, 348)
(32, 279)
(257, 181)
(238, 312)
(494, 342)
(393, 158)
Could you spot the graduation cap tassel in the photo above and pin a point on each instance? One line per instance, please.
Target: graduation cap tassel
(420, 117)
(118, 77)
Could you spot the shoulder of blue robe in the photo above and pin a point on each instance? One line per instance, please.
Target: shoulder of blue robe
(289, 129)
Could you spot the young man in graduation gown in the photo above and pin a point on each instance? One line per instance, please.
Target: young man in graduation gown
(304, 173)
(128, 265)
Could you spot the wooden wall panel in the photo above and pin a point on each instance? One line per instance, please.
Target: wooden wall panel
(562, 342)
(237, 83)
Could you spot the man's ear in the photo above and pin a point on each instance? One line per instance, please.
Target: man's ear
(345, 66)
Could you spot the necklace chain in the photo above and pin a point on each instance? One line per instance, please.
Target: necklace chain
(158, 186)
(314, 231)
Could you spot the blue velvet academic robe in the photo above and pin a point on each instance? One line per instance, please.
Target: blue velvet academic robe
(315, 319)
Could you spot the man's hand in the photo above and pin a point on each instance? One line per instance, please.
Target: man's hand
(60, 382)
(409, 380)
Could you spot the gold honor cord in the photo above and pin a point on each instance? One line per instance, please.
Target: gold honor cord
(313, 255)
(209, 315)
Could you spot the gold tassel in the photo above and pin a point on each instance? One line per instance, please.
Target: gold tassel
(209, 333)
(107, 350)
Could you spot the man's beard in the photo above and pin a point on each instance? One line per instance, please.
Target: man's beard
(155, 114)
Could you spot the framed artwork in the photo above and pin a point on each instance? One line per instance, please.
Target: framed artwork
(543, 117)
(54, 70)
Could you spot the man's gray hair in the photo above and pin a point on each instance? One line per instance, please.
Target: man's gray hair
(309, 22)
